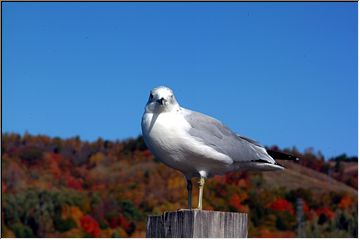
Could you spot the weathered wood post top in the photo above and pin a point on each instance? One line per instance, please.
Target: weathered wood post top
(197, 224)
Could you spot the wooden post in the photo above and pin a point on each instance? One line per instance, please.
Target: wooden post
(197, 224)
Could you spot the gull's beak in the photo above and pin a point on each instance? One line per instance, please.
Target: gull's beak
(161, 101)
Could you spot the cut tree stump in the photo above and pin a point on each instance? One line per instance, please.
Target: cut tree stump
(197, 224)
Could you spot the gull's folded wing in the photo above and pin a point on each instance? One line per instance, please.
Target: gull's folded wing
(214, 134)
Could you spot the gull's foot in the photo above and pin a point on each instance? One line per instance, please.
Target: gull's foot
(188, 209)
(185, 209)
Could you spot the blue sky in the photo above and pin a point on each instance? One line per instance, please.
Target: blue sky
(280, 73)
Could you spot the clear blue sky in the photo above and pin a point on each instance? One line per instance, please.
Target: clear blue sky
(280, 73)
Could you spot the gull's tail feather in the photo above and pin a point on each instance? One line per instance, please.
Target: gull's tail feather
(281, 155)
(266, 166)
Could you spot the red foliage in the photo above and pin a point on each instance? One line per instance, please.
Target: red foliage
(113, 222)
(120, 221)
(90, 225)
(235, 202)
(147, 154)
(3, 187)
(308, 212)
(325, 211)
(219, 179)
(306, 207)
(124, 223)
(311, 215)
(55, 157)
(282, 205)
(231, 178)
(237, 178)
(74, 183)
(220, 190)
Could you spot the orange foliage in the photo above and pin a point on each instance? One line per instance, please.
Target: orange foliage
(138, 234)
(243, 183)
(175, 183)
(345, 202)
(52, 161)
(282, 205)
(98, 187)
(90, 226)
(235, 202)
(219, 179)
(266, 233)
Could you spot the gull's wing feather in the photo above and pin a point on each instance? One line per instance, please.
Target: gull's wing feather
(214, 134)
(250, 141)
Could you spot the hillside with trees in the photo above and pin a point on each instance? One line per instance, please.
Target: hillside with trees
(53, 187)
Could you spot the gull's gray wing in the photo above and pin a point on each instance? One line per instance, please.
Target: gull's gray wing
(214, 134)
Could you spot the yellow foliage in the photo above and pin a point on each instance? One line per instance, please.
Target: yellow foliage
(86, 205)
(7, 233)
(243, 196)
(120, 232)
(135, 196)
(175, 183)
(97, 158)
(40, 184)
(106, 233)
(74, 233)
(73, 212)
(138, 234)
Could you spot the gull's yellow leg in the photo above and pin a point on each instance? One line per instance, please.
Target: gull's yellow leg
(201, 188)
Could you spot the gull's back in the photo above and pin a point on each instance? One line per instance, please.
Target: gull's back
(243, 151)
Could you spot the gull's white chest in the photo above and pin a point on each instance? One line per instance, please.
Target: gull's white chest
(165, 134)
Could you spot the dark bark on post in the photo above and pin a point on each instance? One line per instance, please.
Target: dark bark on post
(197, 224)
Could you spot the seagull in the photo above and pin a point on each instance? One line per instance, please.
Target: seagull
(198, 145)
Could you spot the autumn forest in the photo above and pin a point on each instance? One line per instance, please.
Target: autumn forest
(53, 187)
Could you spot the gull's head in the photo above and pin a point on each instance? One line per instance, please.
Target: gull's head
(161, 99)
